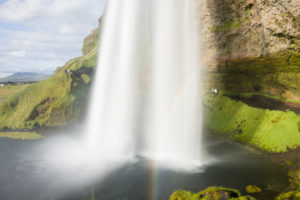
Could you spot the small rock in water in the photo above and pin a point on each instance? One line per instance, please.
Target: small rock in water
(253, 189)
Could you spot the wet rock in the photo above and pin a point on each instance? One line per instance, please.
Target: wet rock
(292, 195)
(253, 189)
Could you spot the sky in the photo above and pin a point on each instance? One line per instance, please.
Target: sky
(41, 35)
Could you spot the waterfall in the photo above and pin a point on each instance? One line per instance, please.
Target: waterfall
(146, 96)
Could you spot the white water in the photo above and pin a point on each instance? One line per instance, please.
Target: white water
(146, 95)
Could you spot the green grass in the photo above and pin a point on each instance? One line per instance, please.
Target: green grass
(274, 131)
(10, 90)
(53, 102)
(17, 109)
(21, 135)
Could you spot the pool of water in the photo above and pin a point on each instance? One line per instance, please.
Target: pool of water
(25, 174)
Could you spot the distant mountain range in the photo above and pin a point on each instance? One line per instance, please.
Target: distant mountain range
(25, 77)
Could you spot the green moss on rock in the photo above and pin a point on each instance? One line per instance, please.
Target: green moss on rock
(227, 26)
(181, 195)
(211, 193)
(292, 195)
(253, 189)
(274, 131)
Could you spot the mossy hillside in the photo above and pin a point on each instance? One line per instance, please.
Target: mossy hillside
(53, 102)
(58, 100)
(211, 193)
(273, 131)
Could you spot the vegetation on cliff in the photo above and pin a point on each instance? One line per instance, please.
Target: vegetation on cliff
(21, 135)
(274, 131)
(57, 100)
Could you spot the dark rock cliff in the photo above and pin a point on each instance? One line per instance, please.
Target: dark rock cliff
(253, 45)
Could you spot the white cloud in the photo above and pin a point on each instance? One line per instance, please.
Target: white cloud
(4, 75)
(66, 29)
(17, 10)
(17, 53)
(43, 34)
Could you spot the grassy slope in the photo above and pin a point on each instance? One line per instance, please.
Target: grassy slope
(21, 135)
(52, 102)
(273, 131)
(7, 91)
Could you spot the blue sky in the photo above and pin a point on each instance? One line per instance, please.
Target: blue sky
(40, 35)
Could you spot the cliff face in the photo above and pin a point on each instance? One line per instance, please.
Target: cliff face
(91, 41)
(250, 42)
(253, 28)
(254, 51)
